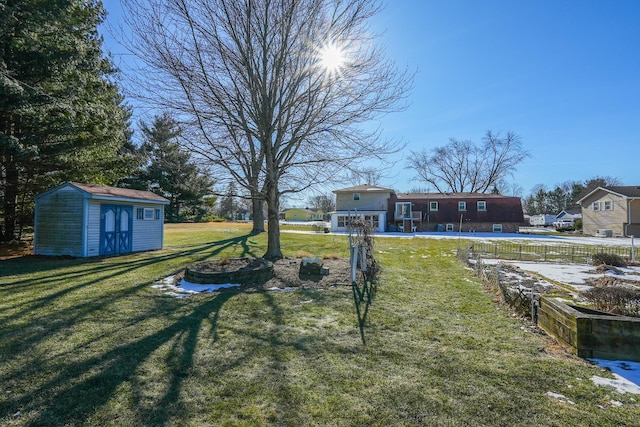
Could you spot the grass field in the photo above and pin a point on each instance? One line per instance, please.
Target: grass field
(90, 343)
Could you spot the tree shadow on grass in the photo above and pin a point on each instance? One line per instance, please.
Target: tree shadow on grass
(74, 394)
(32, 264)
(45, 308)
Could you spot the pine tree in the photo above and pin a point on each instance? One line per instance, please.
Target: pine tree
(170, 171)
(61, 114)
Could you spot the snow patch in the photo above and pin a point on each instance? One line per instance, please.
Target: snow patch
(626, 373)
(560, 397)
(184, 289)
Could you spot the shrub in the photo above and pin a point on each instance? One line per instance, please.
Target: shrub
(615, 299)
(608, 259)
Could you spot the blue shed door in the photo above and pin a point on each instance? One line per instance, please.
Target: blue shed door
(116, 222)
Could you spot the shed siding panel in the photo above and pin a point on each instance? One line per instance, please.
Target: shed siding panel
(59, 219)
(147, 234)
(93, 228)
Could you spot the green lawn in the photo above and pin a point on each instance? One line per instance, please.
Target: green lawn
(89, 342)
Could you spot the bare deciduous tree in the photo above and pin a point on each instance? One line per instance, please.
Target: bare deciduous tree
(277, 89)
(462, 166)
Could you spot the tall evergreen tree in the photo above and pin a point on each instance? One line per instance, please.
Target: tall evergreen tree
(170, 171)
(61, 114)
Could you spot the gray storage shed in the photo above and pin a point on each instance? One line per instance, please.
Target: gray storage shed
(84, 220)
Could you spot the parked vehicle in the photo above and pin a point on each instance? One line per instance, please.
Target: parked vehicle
(542, 220)
(564, 224)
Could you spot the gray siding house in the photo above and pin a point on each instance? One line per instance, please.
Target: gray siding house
(367, 202)
(84, 220)
(614, 208)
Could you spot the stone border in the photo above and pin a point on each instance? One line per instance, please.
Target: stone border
(258, 271)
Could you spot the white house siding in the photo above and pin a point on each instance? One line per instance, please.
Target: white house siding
(147, 234)
(361, 215)
(58, 221)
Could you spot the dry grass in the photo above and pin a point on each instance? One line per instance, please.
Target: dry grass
(89, 342)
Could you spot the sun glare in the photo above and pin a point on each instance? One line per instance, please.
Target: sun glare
(332, 58)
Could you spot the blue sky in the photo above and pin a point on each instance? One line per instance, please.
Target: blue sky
(564, 75)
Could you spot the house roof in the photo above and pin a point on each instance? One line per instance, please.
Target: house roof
(455, 196)
(308, 210)
(631, 191)
(364, 189)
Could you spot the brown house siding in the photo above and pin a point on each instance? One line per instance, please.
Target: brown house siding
(503, 210)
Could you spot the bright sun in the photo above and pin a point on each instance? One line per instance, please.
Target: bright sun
(332, 58)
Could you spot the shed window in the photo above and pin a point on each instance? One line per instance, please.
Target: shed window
(482, 206)
(157, 214)
(148, 214)
(356, 196)
(139, 213)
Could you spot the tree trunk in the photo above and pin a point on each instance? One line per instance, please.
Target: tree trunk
(274, 252)
(258, 215)
(10, 199)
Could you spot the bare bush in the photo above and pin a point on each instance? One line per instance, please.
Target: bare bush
(608, 259)
(615, 299)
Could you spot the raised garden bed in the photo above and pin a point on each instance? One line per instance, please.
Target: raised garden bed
(590, 333)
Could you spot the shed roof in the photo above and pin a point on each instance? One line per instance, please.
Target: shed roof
(106, 192)
(103, 190)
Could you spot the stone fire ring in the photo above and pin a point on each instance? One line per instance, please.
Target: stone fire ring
(256, 270)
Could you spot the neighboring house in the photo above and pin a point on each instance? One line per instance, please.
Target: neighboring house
(390, 211)
(455, 212)
(367, 202)
(615, 208)
(84, 220)
(574, 214)
(303, 214)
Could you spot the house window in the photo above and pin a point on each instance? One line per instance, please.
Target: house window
(373, 220)
(608, 205)
(482, 206)
(497, 228)
(433, 206)
(596, 206)
(139, 213)
(462, 206)
(403, 210)
(157, 211)
(449, 227)
(343, 221)
(356, 196)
